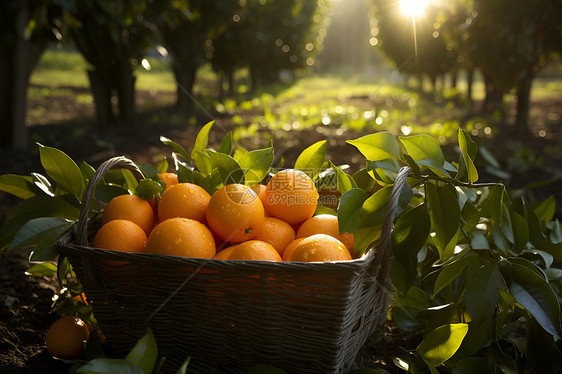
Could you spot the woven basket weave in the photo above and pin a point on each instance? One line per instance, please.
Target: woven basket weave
(230, 315)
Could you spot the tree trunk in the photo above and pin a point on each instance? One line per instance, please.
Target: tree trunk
(523, 105)
(102, 92)
(469, 84)
(185, 79)
(16, 69)
(454, 78)
(125, 87)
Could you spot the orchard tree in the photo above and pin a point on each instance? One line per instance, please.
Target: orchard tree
(26, 27)
(511, 49)
(270, 36)
(184, 27)
(411, 42)
(112, 36)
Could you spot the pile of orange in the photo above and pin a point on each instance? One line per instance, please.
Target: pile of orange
(273, 222)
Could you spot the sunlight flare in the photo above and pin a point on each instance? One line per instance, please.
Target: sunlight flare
(413, 8)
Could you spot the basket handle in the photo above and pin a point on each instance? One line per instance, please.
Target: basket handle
(115, 162)
(385, 244)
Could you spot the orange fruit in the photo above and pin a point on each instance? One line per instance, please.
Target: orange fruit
(185, 200)
(259, 189)
(132, 208)
(276, 232)
(325, 224)
(291, 196)
(169, 179)
(181, 237)
(253, 250)
(235, 213)
(316, 248)
(66, 336)
(223, 254)
(121, 235)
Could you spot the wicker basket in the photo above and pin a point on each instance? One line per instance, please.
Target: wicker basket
(231, 315)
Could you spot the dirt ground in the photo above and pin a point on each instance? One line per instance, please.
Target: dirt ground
(25, 301)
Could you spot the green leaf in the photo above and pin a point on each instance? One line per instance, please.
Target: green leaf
(230, 171)
(312, 159)
(481, 294)
(350, 208)
(62, 170)
(479, 242)
(535, 294)
(17, 185)
(375, 207)
(200, 146)
(344, 181)
(144, 353)
(410, 234)
(203, 162)
(520, 231)
(442, 343)
(384, 171)
(42, 269)
(184, 366)
(37, 229)
(445, 215)
(109, 365)
(35, 207)
(365, 237)
(546, 210)
(256, 164)
(363, 179)
(468, 153)
(478, 336)
(131, 183)
(378, 146)
(148, 188)
(87, 170)
(162, 166)
(471, 365)
(451, 271)
(178, 148)
(425, 151)
(402, 276)
(226, 144)
(43, 184)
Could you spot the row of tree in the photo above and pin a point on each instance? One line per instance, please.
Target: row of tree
(508, 41)
(265, 36)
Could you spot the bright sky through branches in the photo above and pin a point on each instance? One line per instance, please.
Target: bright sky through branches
(413, 8)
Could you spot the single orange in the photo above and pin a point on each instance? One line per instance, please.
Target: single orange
(316, 248)
(185, 200)
(276, 232)
(291, 196)
(253, 250)
(325, 224)
(121, 235)
(181, 237)
(132, 208)
(66, 336)
(169, 179)
(235, 213)
(224, 253)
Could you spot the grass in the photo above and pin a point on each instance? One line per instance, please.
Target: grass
(348, 102)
